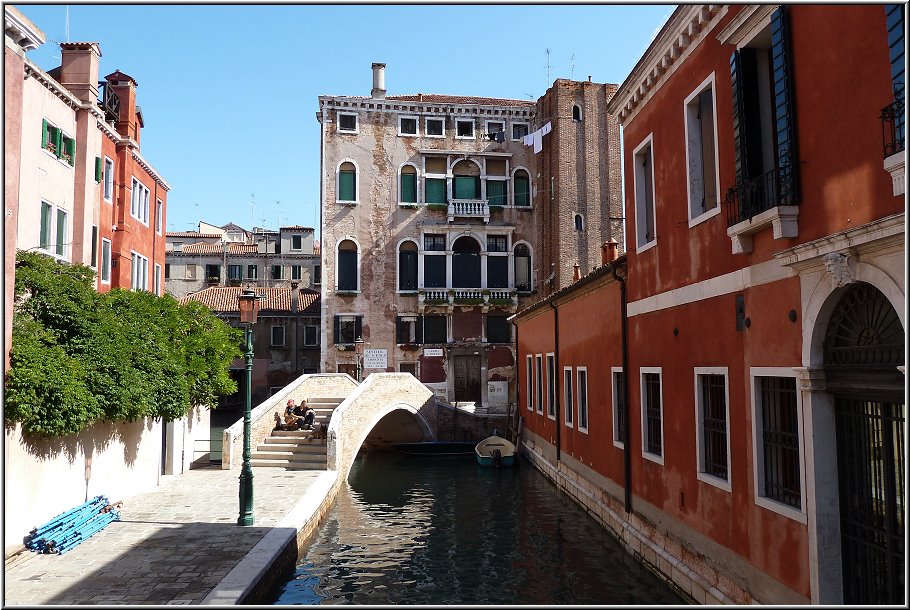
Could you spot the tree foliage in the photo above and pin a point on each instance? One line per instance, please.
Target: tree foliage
(79, 356)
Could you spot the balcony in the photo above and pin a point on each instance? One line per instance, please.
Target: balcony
(893, 127)
(768, 200)
(468, 208)
(467, 296)
(109, 102)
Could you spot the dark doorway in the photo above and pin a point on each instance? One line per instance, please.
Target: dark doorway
(467, 379)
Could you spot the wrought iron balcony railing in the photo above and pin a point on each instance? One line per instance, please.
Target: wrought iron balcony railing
(751, 197)
(893, 128)
(110, 102)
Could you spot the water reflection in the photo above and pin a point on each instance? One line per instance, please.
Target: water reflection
(417, 530)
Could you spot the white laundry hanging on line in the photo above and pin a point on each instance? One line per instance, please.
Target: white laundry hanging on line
(546, 129)
(538, 141)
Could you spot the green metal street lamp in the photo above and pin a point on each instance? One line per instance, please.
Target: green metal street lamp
(249, 311)
(358, 349)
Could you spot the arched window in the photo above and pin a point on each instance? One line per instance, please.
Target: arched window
(576, 112)
(579, 222)
(466, 180)
(347, 182)
(407, 266)
(347, 265)
(522, 184)
(466, 263)
(407, 193)
(523, 268)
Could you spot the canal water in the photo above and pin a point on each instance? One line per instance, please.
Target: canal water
(444, 530)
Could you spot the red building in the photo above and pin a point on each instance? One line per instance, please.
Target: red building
(753, 335)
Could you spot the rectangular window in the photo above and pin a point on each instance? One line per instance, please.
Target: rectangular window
(157, 279)
(466, 187)
(213, 272)
(317, 275)
(435, 190)
(105, 261)
(551, 386)
(252, 271)
(493, 128)
(347, 328)
(296, 242)
(529, 382)
(712, 441)
(435, 329)
(108, 179)
(538, 385)
(497, 243)
(139, 279)
(497, 271)
(276, 272)
(434, 242)
(642, 159)
(406, 329)
(407, 193)
(235, 272)
(568, 406)
(435, 128)
(652, 414)
(407, 268)
(407, 126)
(310, 336)
(778, 441)
(159, 216)
(94, 260)
(701, 152)
(619, 407)
(582, 399)
(434, 271)
(139, 202)
(296, 272)
(61, 242)
(347, 122)
(496, 192)
(519, 131)
(499, 329)
(522, 187)
(44, 239)
(191, 271)
(277, 336)
(167, 271)
(347, 185)
(464, 128)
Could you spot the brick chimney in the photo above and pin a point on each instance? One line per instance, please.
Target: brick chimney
(79, 69)
(609, 251)
(576, 273)
(378, 91)
(130, 121)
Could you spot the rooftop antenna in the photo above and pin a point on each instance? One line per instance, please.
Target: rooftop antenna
(572, 72)
(548, 68)
(252, 203)
(278, 212)
(67, 22)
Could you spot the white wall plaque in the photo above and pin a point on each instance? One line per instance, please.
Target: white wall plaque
(375, 359)
(433, 351)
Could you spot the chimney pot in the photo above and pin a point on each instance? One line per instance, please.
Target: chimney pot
(589, 78)
(609, 251)
(576, 274)
(378, 91)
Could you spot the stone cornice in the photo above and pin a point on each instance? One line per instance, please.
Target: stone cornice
(888, 229)
(386, 105)
(745, 22)
(53, 86)
(686, 28)
(148, 168)
(18, 27)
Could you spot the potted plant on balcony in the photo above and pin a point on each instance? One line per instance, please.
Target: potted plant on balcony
(408, 347)
(345, 347)
(438, 207)
(212, 279)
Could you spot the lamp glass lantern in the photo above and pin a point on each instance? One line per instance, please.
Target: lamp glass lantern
(249, 307)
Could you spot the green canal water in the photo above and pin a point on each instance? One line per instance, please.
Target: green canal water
(424, 530)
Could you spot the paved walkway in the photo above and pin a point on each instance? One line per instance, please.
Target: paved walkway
(177, 544)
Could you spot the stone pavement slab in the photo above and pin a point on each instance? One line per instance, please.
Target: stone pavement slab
(172, 545)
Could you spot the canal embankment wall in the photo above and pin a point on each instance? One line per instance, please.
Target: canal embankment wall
(695, 565)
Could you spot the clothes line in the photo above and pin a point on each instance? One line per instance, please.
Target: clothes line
(536, 139)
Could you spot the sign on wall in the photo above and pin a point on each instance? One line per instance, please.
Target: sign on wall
(498, 393)
(375, 359)
(432, 351)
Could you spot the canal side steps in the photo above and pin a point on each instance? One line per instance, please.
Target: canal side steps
(298, 449)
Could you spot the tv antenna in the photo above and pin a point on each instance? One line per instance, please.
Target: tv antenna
(278, 212)
(252, 203)
(67, 22)
(548, 68)
(572, 71)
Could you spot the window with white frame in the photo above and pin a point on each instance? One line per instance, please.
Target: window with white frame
(434, 260)
(139, 203)
(108, 179)
(105, 261)
(192, 271)
(347, 122)
(317, 275)
(235, 272)
(522, 264)
(296, 272)
(538, 385)
(347, 182)
(310, 336)
(157, 279)
(407, 125)
(494, 127)
(53, 231)
(252, 272)
(57, 143)
(712, 426)
(407, 184)
(582, 391)
(159, 216)
(529, 381)
(434, 128)
(296, 242)
(167, 271)
(139, 278)
(277, 272)
(701, 152)
(277, 336)
(568, 405)
(777, 438)
(348, 279)
(519, 131)
(652, 430)
(619, 406)
(464, 128)
(643, 172)
(407, 266)
(551, 386)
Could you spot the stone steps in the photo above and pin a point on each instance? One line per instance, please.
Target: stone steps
(297, 449)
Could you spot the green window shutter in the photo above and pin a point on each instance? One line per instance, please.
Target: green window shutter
(496, 192)
(70, 145)
(346, 186)
(97, 169)
(58, 142)
(435, 190)
(61, 232)
(45, 240)
(409, 188)
(43, 133)
(522, 192)
(467, 187)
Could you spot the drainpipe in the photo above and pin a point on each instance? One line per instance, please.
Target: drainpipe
(556, 367)
(517, 385)
(627, 436)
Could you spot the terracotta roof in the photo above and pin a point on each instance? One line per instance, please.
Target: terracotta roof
(224, 299)
(232, 248)
(118, 75)
(191, 234)
(433, 98)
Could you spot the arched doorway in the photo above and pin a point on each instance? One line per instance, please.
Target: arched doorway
(863, 346)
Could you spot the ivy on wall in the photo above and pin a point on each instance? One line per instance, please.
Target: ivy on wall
(79, 356)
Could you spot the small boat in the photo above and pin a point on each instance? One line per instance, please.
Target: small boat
(495, 451)
(435, 448)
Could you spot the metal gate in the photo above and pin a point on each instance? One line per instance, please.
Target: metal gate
(864, 345)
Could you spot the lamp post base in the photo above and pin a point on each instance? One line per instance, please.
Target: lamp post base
(246, 497)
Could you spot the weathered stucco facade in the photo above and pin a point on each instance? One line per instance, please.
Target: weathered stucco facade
(435, 229)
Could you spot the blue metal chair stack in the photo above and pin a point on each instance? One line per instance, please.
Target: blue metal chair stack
(72, 527)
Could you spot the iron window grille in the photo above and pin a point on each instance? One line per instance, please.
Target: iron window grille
(714, 425)
(619, 383)
(780, 440)
(653, 442)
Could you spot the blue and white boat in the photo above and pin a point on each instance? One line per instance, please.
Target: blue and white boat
(495, 451)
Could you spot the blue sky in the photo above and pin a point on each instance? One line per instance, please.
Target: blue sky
(229, 92)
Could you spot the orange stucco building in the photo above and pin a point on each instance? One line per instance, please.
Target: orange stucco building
(753, 334)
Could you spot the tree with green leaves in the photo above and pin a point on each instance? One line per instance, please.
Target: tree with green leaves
(79, 356)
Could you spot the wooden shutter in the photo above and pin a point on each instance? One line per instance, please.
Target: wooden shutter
(43, 133)
(418, 330)
(409, 188)
(522, 191)
(894, 20)
(784, 111)
(70, 145)
(358, 327)
(97, 169)
(435, 190)
(467, 187)
(347, 186)
(399, 331)
(407, 269)
(496, 192)
(736, 73)
(58, 142)
(336, 329)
